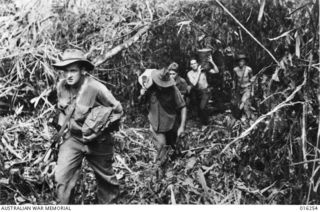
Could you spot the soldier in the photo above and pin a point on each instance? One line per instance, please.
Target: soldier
(181, 83)
(167, 112)
(78, 96)
(243, 80)
(200, 92)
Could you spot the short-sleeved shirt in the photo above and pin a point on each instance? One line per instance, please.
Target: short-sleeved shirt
(202, 83)
(182, 85)
(86, 94)
(164, 108)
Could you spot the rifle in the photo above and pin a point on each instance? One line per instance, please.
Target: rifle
(56, 139)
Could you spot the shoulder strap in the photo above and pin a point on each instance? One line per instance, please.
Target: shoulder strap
(73, 107)
(66, 121)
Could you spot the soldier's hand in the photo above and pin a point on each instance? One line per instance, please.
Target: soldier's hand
(180, 131)
(115, 116)
(90, 137)
(210, 59)
(189, 88)
(142, 91)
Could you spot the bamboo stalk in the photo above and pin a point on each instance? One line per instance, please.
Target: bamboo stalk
(305, 162)
(318, 134)
(304, 136)
(247, 31)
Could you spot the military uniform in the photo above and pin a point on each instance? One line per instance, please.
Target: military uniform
(87, 94)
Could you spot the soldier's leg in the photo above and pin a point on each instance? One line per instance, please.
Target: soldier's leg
(171, 138)
(174, 142)
(236, 102)
(159, 141)
(172, 135)
(245, 100)
(159, 138)
(204, 116)
(194, 102)
(100, 159)
(68, 170)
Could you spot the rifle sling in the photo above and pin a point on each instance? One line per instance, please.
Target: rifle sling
(68, 116)
(65, 123)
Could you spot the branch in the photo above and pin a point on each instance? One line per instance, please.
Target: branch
(10, 148)
(123, 163)
(275, 109)
(304, 162)
(149, 10)
(303, 6)
(110, 53)
(247, 31)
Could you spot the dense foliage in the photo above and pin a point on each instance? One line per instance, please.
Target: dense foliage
(270, 158)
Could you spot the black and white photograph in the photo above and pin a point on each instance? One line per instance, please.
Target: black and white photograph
(159, 102)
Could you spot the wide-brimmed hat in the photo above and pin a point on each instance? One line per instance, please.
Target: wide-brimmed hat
(71, 56)
(242, 56)
(162, 78)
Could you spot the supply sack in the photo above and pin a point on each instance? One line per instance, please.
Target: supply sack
(100, 119)
(145, 79)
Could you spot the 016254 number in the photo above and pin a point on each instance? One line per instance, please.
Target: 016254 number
(308, 207)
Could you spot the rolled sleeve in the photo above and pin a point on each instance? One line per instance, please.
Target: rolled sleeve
(180, 103)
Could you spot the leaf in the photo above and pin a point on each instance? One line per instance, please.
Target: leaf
(46, 132)
(120, 175)
(173, 198)
(191, 162)
(315, 187)
(201, 37)
(10, 148)
(4, 181)
(282, 35)
(202, 181)
(275, 75)
(18, 110)
(189, 182)
(184, 23)
(267, 188)
(181, 24)
(36, 100)
(123, 163)
(19, 199)
(261, 10)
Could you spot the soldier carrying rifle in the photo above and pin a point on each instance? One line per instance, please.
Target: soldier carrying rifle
(86, 107)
